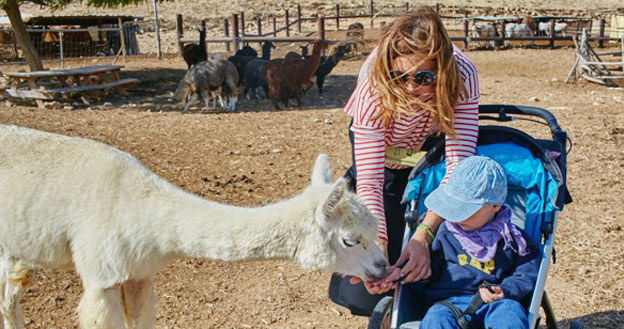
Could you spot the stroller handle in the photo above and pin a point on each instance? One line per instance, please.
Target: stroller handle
(502, 110)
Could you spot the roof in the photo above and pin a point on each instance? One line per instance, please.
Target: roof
(4, 20)
(83, 20)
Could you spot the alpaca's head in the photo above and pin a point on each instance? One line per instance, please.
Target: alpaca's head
(342, 237)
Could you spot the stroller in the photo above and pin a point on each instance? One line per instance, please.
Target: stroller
(536, 173)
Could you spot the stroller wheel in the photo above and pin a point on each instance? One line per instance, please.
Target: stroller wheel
(380, 319)
(576, 325)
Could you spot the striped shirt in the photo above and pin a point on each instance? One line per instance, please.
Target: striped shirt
(371, 136)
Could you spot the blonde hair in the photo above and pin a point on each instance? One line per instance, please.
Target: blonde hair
(419, 32)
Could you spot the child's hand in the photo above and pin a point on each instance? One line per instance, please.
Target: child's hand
(491, 294)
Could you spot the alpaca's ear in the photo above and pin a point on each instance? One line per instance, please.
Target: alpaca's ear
(327, 210)
(321, 173)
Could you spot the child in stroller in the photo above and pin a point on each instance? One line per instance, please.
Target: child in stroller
(482, 264)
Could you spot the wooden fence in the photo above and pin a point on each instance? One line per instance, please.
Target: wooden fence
(234, 31)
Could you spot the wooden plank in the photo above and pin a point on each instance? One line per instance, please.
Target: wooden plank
(610, 77)
(56, 73)
(32, 82)
(604, 63)
(27, 94)
(93, 87)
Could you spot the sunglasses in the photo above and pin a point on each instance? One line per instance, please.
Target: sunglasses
(422, 77)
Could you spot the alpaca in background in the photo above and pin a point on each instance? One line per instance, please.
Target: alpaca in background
(195, 53)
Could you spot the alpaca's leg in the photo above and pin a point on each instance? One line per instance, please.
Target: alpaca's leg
(193, 98)
(13, 279)
(185, 98)
(139, 301)
(272, 96)
(206, 94)
(319, 83)
(101, 309)
(299, 94)
(232, 100)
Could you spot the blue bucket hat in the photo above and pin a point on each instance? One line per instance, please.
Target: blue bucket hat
(476, 181)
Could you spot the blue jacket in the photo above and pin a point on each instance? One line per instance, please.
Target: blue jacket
(455, 273)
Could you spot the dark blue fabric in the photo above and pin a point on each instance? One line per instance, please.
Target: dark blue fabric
(501, 314)
(455, 273)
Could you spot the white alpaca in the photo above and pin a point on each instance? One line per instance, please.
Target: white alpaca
(67, 200)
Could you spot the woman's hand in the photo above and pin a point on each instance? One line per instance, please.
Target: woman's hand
(416, 258)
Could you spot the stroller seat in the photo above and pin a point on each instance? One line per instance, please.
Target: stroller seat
(537, 192)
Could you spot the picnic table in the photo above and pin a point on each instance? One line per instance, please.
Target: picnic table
(89, 81)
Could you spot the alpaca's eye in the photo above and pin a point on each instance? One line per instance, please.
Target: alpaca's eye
(350, 242)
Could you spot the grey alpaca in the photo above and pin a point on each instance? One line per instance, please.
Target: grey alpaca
(205, 79)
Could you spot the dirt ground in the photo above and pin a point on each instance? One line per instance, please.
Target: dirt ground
(257, 155)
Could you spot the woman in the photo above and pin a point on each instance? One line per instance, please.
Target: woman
(415, 84)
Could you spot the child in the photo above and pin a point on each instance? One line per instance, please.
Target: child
(478, 249)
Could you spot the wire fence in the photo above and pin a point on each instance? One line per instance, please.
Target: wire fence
(64, 43)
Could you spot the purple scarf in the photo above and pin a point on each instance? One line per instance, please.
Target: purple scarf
(481, 243)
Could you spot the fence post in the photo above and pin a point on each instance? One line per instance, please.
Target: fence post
(287, 26)
(226, 28)
(466, 30)
(299, 18)
(235, 30)
(242, 22)
(406, 6)
(337, 17)
(502, 33)
(61, 46)
(157, 30)
(320, 21)
(438, 8)
(14, 44)
(602, 34)
(622, 47)
(274, 26)
(122, 39)
(259, 25)
(372, 8)
(180, 29)
(552, 33)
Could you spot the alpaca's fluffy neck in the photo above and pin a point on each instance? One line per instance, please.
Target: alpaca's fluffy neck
(312, 62)
(206, 229)
(202, 42)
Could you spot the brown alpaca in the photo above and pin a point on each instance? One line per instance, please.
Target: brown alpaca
(530, 23)
(290, 75)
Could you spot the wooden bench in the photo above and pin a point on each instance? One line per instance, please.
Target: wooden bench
(49, 94)
(47, 85)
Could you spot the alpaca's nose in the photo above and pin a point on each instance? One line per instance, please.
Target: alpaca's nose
(381, 263)
(380, 267)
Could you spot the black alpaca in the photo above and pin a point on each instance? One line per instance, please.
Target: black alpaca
(327, 65)
(195, 53)
(266, 50)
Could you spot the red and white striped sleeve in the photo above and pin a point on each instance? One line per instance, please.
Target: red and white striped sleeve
(369, 147)
(466, 117)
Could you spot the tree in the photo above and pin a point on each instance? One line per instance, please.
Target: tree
(11, 7)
